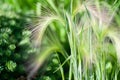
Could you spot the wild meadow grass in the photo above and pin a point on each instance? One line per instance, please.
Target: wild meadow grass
(91, 28)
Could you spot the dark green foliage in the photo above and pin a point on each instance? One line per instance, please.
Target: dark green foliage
(46, 72)
(15, 47)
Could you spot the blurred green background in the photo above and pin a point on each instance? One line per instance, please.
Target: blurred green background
(15, 43)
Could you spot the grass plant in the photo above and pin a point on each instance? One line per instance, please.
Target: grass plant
(89, 28)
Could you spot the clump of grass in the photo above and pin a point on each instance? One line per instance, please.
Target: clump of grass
(93, 39)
